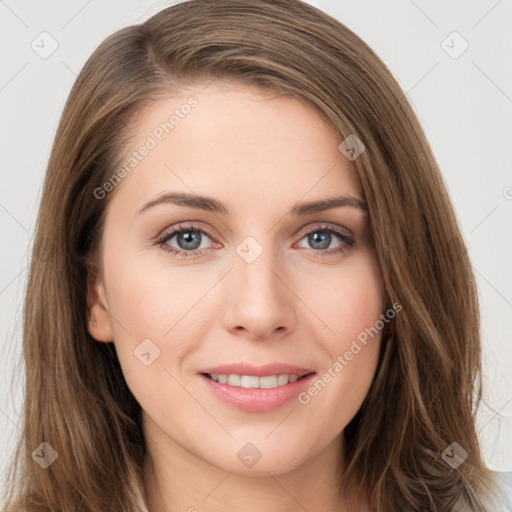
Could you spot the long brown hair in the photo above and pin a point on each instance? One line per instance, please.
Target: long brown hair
(428, 386)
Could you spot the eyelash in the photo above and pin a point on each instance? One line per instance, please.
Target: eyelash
(317, 253)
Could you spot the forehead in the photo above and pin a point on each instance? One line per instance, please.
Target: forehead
(238, 143)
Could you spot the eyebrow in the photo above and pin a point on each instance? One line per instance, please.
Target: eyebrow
(211, 204)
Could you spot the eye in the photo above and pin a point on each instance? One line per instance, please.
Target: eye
(190, 238)
(321, 237)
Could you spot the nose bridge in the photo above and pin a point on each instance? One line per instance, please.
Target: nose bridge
(260, 302)
(256, 267)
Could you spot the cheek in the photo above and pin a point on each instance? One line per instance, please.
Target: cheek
(160, 315)
(154, 313)
(350, 335)
(345, 300)
(152, 300)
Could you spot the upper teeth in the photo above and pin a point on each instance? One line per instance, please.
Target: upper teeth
(252, 381)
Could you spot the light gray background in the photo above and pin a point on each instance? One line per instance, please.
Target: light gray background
(463, 103)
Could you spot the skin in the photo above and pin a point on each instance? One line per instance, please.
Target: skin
(260, 154)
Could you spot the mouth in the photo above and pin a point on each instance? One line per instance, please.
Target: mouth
(254, 381)
(256, 389)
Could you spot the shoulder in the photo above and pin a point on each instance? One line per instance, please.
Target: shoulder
(502, 501)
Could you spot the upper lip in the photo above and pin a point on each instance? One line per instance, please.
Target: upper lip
(258, 371)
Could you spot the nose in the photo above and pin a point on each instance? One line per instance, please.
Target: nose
(260, 302)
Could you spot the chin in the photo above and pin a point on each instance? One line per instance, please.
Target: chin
(259, 456)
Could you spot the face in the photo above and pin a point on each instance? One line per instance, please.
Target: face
(236, 319)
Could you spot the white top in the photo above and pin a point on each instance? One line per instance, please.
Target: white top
(502, 502)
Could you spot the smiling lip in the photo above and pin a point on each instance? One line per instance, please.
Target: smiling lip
(257, 399)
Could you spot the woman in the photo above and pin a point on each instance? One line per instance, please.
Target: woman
(248, 288)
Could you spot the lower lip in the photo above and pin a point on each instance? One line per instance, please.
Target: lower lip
(255, 399)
